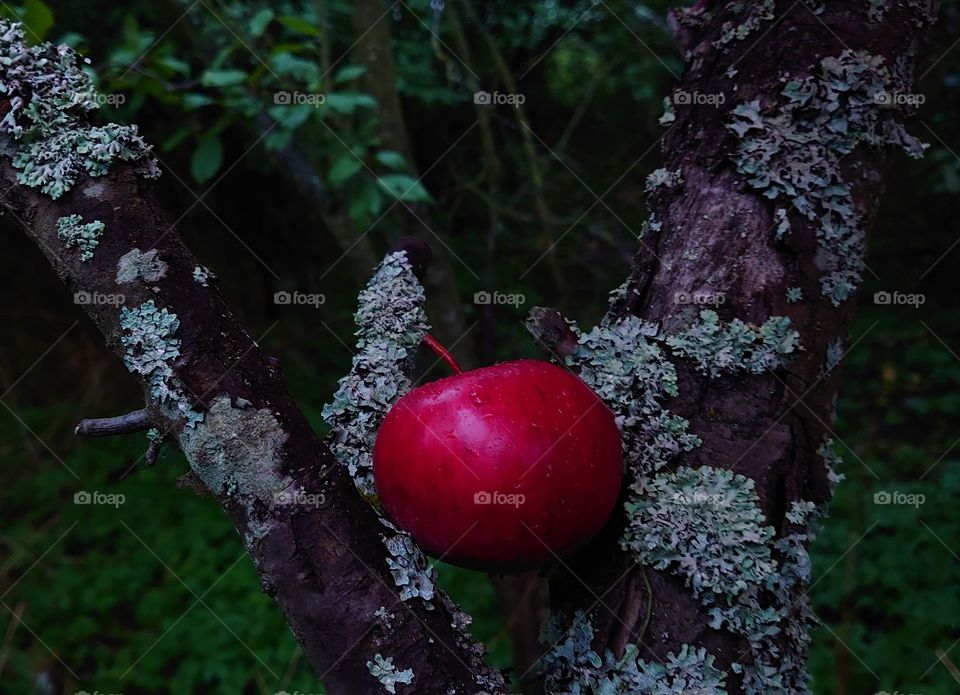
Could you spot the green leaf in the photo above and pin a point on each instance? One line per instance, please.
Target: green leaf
(405, 188)
(348, 72)
(260, 21)
(391, 160)
(38, 19)
(347, 102)
(193, 101)
(206, 158)
(343, 169)
(291, 116)
(365, 203)
(222, 78)
(301, 26)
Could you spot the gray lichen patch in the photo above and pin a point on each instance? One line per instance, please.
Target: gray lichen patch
(756, 14)
(383, 670)
(391, 324)
(202, 275)
(718, 347)
(663, 178)
(705, 525)
(573, 667)
(624, 364)
(45, 130)
(72, 231)
(136, 264)
(411, 573)
(792, 153)
(151, 346)
(237, 452)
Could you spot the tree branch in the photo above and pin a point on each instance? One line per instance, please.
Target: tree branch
(314, 542)
(136, 421)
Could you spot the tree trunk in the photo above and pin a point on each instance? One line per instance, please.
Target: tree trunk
(771, 176)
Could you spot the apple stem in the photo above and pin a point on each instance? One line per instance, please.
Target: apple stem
(442, 353)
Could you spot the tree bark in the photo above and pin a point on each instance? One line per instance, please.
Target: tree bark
(324, 565)
(714, 232)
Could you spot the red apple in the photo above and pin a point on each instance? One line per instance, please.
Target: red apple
(503, 468)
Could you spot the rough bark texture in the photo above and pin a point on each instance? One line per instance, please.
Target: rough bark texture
(717, 235)
(324, 565)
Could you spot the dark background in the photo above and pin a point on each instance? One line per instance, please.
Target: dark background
(156, 595)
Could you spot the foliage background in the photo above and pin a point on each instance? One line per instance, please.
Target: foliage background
(156, 596)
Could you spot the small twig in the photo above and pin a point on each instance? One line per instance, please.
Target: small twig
(551, 331)
(137, 421)
(153, 452)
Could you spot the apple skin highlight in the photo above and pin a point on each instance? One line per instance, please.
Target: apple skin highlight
(503, 468)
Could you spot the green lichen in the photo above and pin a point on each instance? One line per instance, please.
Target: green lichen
(663, 178)
(792, 153)
(794, 295)
(411, 572)
(833, 355)
(391, 324)
(624, 364)
(669, 115)
(150, 347)
(703, 524)
(383, 670)
(876, 9)
(718, 347)
(758, 13)
(75, 234)
(45, 130)
(572, 667)
(202, 275)
(238, 451)
(136, 264)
